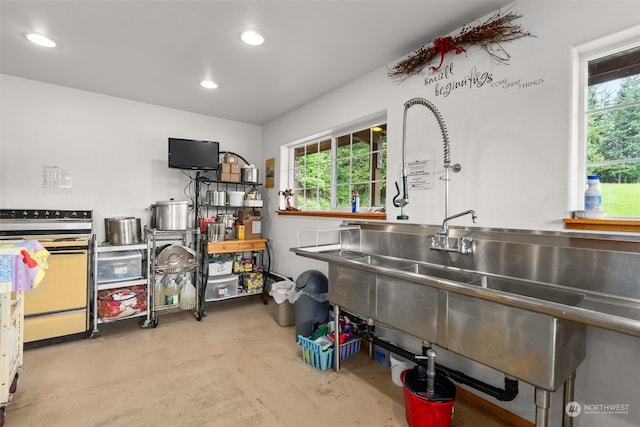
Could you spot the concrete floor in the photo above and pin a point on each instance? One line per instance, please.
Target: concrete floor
(236, 367)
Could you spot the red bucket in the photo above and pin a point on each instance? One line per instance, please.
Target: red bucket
(421, 411)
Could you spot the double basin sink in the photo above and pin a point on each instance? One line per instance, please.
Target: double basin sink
(505, 323)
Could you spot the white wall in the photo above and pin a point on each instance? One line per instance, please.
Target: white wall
(115, 149)
(514, 144)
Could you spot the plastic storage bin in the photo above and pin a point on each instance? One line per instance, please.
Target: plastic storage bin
(221, 288)
(382, 354)
(220, 267)
(313, 354)
(122, 265)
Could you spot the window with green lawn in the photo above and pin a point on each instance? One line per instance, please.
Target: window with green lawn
(612, 128)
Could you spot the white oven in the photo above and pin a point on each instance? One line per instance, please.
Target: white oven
(57, 309)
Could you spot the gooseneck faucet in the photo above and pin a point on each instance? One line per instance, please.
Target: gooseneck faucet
(402, 202)
(440, 241)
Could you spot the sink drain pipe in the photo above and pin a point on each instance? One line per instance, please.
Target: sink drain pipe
(507, 394)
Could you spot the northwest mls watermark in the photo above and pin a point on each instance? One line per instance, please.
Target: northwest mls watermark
(573, 409)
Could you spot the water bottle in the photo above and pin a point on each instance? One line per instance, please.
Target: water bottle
(187, 295)
(172, 293)
(355, 202)
(592, 196)
(158, 292)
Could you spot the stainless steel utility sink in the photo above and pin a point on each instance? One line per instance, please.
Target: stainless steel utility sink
(376, 260)
(454, 275)
(540, 291)
(437, 304)
(530, 289)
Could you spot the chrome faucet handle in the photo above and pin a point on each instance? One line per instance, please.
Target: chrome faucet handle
(440, 240)
(465, 245)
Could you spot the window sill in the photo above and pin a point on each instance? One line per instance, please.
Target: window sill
(327, 214)
(629, 225)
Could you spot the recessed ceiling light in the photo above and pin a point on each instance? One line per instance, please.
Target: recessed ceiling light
(41, 40)
(208, 84)
(252, 38)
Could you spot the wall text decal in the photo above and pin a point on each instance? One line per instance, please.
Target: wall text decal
(445, 82)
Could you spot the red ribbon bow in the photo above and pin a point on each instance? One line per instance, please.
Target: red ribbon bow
(444, 46)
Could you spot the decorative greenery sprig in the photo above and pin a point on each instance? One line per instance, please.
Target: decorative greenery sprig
(495, 30)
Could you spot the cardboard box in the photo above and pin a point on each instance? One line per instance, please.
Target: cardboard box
(233, 177)
(252, 222)
(235, 167)
(248, 214)
(225, 167)
(224, 176)
(230, 158)
(253, 228)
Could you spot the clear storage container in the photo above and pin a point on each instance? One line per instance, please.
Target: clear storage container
(221, 288)
(121, 265)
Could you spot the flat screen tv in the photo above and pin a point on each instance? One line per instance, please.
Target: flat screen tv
(193, 154)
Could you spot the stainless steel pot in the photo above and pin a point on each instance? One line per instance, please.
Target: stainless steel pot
(216, 198)
(227, 219)
(171, 215)
(249, 174)
(122, 230)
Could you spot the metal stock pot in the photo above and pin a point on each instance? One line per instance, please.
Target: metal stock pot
(122, 230)
(249, 174)
(217, 198)
(170, 215)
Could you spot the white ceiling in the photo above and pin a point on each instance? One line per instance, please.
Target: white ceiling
(158, 51)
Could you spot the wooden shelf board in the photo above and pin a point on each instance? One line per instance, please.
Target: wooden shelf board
(327, 214)
(628, 225)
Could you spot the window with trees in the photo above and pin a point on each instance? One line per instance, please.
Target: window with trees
(325, 171)
(612, 128)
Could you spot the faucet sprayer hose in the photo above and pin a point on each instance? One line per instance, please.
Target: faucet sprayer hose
(443, 128)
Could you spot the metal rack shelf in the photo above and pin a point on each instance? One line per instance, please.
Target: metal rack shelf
(234, 246)
(118, 283)
(187, 238)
